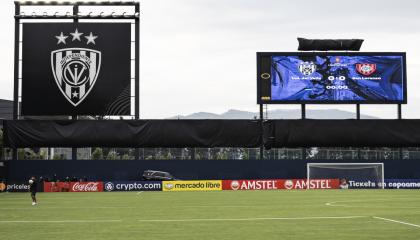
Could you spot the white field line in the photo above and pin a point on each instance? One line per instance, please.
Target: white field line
(49, 198)
(60, 221)
(245, 219)
(45, 206)
(395, 221)
(235, 206)
(226, 206)
(334, 204)
(36, 207)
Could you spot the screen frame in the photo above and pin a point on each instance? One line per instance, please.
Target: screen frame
(118, 83)
(322, 53)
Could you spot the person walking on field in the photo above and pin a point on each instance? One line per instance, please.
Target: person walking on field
(33, 189)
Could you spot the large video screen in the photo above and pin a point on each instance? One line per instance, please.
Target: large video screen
(331, 77)
(76, 69)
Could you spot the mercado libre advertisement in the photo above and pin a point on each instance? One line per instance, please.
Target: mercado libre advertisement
(198, 185)
(281, 184)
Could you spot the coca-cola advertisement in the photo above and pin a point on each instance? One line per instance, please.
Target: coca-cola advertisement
(87, 187)
(277, 184)
(73, 187)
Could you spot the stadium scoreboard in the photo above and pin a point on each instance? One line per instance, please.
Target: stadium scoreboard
(331, 77)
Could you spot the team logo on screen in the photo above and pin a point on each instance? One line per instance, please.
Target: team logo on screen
(366, 69)
(75, 70)
(307, 68)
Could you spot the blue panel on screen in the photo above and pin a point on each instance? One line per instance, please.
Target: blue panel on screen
(337, 78)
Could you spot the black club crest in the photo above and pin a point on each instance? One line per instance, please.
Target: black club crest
(75, 70)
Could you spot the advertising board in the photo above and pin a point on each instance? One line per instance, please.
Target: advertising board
(196, 185)
(133, 186)
(17, 186)
(73, 186)
(280, 184)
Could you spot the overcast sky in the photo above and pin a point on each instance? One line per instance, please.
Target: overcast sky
(199, 55)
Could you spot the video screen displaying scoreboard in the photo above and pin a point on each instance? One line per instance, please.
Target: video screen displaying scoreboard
(331, 77)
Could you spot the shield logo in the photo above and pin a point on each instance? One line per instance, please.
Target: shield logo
(366, 69)
(307, 68)
(75, 71)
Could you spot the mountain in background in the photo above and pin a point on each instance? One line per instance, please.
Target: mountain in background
(275, 114)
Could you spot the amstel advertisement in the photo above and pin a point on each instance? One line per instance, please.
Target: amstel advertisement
(199, 185)
(278, 184)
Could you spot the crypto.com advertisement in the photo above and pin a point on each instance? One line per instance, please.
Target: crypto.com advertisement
(133, 186)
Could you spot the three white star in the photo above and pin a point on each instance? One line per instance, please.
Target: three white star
(76, 35)
(91, 38)
(62, 38)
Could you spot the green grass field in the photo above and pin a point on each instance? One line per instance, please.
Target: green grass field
(333, 214)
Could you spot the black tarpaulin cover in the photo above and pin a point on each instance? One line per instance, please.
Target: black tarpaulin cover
(342, 133)
(212, 133)
(132, 133)
(329, 44)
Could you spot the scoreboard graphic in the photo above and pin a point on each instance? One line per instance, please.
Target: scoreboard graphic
(331, 77)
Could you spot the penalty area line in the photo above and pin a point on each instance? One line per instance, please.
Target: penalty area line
(395, 221)
(245, 219)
